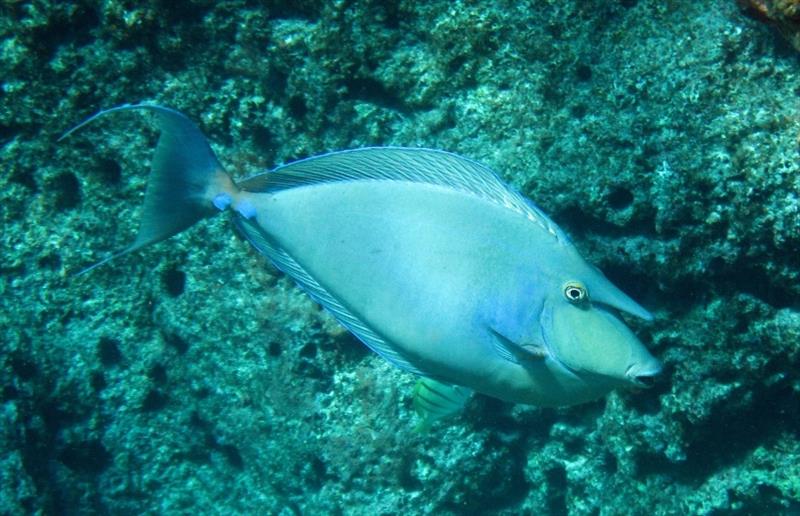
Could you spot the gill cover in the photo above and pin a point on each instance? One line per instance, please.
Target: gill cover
(590, 340)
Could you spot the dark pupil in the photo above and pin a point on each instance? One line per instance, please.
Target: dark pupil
(574, 293)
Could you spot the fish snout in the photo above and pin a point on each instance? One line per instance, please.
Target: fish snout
(643, 374)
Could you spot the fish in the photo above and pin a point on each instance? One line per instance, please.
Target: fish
(429, 258)
(433, 400)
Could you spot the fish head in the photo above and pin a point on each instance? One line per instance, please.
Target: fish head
(583, 332)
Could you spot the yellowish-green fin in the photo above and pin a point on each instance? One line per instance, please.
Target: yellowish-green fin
(435, 400)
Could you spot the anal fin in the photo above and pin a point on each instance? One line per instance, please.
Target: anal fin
(287, 264)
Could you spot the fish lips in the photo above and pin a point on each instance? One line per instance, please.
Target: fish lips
(644, 375)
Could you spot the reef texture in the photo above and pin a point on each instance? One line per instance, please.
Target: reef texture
(784, 15)
(192, 378)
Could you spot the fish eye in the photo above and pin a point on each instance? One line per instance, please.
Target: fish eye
(575, 292)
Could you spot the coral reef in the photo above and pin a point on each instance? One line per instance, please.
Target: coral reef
(191, 377)
(784, 15)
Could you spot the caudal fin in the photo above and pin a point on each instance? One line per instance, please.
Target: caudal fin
(184, 178)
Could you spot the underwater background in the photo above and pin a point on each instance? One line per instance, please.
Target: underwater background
(193, 378)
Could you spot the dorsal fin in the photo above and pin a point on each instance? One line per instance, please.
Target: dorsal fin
(402, 164)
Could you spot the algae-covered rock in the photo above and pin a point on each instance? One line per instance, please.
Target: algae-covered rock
(192, 377)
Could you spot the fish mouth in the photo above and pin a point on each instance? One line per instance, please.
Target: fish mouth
(644, 375)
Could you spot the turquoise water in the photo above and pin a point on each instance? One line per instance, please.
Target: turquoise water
(192, 377)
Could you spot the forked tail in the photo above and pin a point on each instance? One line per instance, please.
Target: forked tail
(187, 182)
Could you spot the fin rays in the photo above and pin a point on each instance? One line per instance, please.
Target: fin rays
(434, 400)
(403, 164)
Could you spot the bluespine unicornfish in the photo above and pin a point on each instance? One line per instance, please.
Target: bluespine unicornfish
(429, 258)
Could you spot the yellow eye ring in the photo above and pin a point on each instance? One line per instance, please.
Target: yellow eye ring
(575, 292)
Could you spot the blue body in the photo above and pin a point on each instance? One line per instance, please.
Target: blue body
(429, 258)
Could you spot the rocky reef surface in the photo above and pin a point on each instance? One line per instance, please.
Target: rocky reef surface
(192, 377)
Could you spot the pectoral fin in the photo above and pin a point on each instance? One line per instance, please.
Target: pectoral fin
(515, 352)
